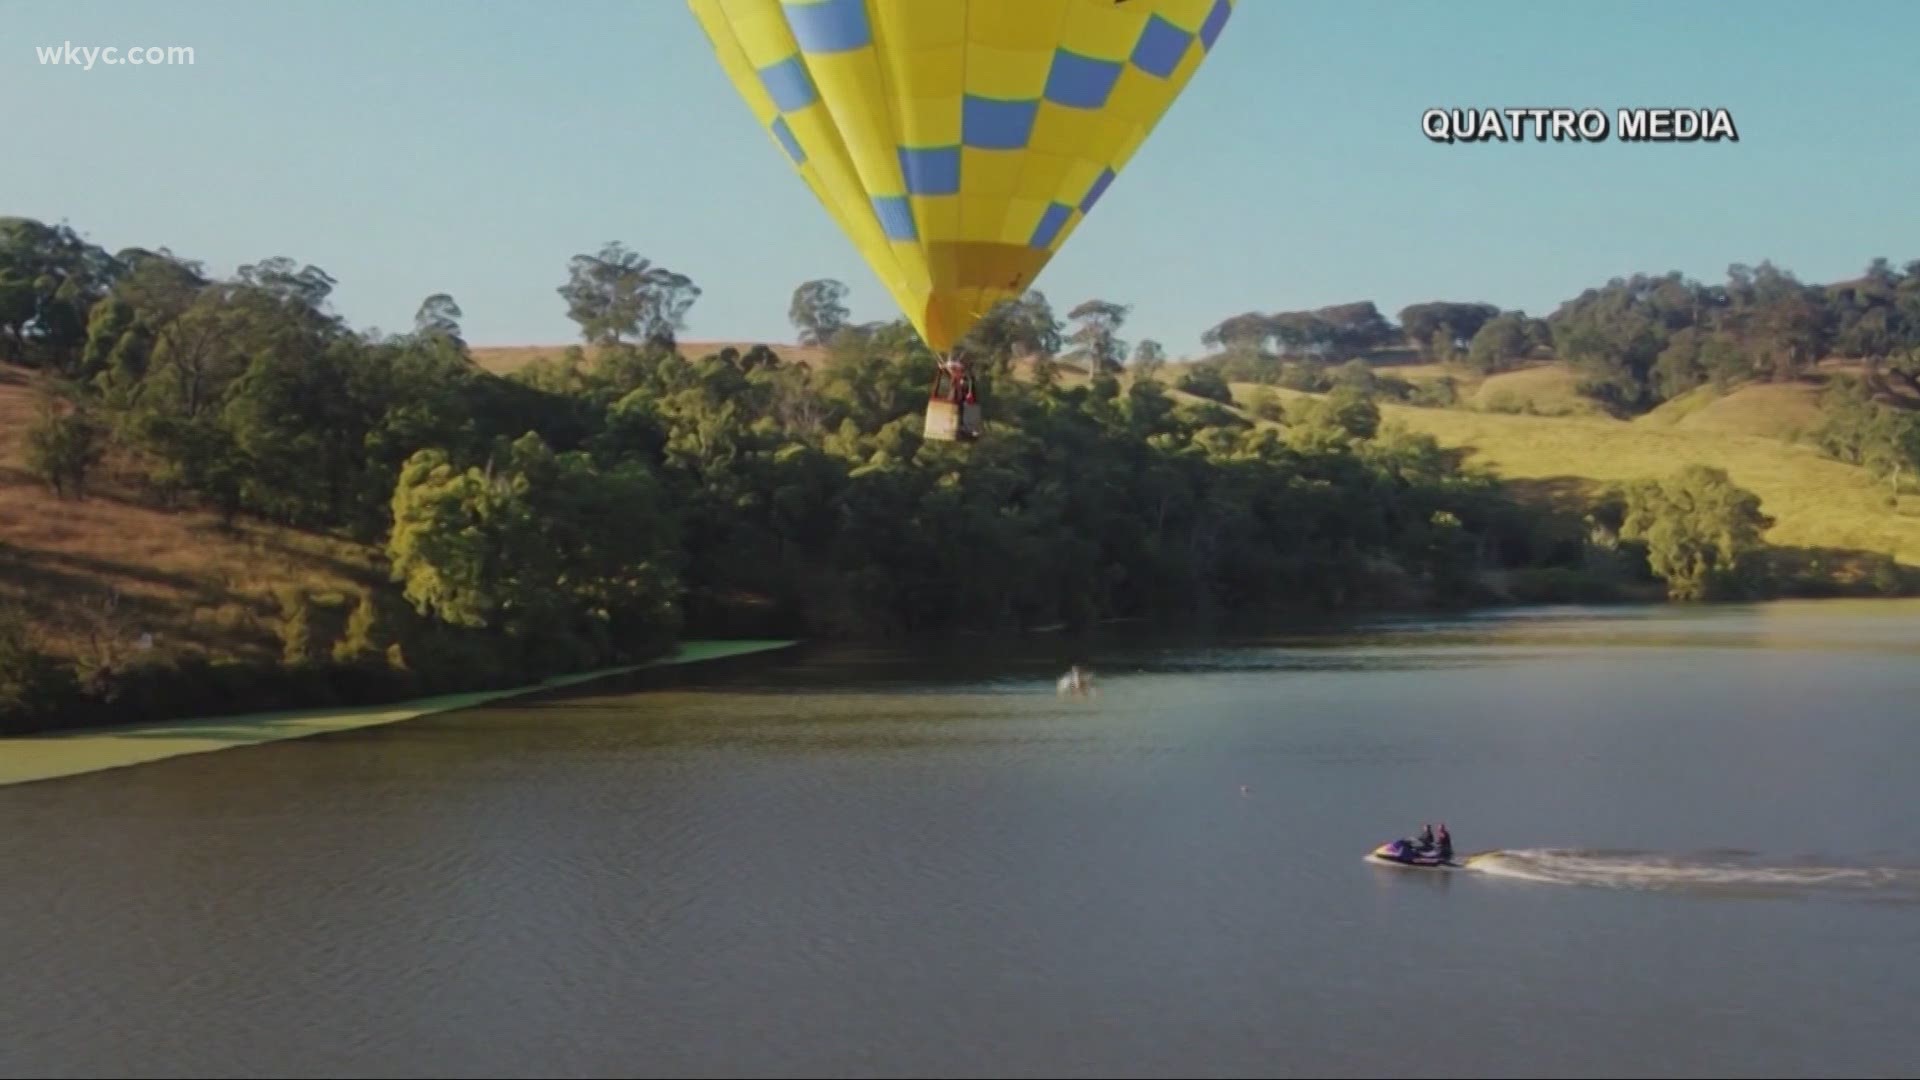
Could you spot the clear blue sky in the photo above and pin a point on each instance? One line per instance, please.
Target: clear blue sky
(473, 146)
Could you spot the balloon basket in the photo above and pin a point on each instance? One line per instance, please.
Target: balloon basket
(952, 421)
(953, 412)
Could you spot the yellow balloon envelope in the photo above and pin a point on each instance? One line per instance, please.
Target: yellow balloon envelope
(959, 143)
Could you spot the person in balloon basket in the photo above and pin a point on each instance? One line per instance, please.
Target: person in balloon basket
(963, 396)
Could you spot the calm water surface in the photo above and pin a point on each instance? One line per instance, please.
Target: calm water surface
(869, 864)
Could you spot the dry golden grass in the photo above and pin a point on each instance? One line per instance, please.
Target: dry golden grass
(179, 575)
(17, 411)
(1540, 390)
(1772, 410)
(1815, 502)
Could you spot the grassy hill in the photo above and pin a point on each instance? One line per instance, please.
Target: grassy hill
(1816, 502)
(1545, 390)
(1753, 432)
(1776, 411)
(95, 574)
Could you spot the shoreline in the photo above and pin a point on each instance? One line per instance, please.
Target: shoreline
(28, 758)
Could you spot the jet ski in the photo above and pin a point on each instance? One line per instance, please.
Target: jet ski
(1409, 853)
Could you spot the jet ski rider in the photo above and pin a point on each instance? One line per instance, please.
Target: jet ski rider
(1440, 843)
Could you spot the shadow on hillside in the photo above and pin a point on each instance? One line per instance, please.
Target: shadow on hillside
(68, 569)
(338, 565)
(1794, 572)
(68, 596)
(106, 486)
(51, 594)
(95, 565)
(1571, 497)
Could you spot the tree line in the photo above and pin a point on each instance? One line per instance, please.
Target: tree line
(594, 507)
(1636, 341)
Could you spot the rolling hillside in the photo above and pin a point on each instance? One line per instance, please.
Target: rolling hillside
(1752, 432)
(96, 574)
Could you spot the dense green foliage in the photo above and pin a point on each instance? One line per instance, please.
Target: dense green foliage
(589, 509)
(1702, 533)
(1879, 432)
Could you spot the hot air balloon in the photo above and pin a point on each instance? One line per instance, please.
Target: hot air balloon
(959, 143)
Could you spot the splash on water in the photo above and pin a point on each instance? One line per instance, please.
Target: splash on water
(1719, 872)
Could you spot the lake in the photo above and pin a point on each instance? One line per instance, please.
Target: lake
(856, 862)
